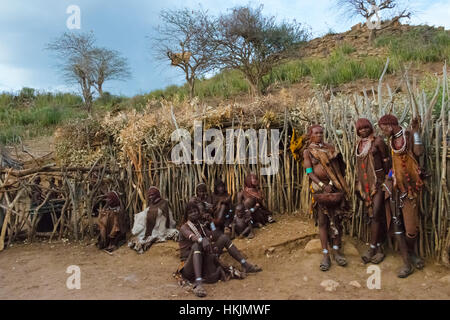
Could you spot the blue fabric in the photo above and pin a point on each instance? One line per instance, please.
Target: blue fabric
(309, 170)
(391, 173)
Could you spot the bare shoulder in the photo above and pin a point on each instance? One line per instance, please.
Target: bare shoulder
(306, 153)
(379, 141)
(183, 227)
(329, 146)
(409, 137)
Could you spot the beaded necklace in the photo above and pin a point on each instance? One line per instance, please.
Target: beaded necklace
(367, 146)
(398, 135)
(194, 229)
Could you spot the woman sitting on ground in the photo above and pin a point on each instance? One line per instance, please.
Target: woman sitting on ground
(253, 200)
(112, 223)
(200, 249)
(223, 207)
(154, 224)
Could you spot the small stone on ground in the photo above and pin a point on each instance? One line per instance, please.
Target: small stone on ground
(329, 285)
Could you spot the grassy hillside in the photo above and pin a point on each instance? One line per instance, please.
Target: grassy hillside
(29, 114)
(420, 44)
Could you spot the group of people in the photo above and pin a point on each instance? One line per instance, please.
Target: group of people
(389, 182)
(211, 221)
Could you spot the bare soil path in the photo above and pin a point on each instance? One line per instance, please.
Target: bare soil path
(38, 271)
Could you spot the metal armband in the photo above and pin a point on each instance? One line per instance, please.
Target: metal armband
(417, 139)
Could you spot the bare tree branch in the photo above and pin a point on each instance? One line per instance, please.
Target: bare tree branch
(184, 39)
(391, 11)
(86, 65)
(109, 65)
(76, 61)
(254, 44)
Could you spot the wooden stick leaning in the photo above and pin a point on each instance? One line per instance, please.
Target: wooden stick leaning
(6, 221)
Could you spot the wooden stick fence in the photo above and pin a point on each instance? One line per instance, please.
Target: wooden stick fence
(286, 192)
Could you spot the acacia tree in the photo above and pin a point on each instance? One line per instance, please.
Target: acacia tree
(74, 52)
(86, 65)
(108, 65)
(255, 44)
(184, 39)
(391, 10)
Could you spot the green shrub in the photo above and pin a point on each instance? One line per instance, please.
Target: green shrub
(289, 73)
(226, 84)
(29, 113)
(428, 84)
(9, 134)
(336, 71)
(345, 49)
(421, 44)
(340, 68)
(27, 93)
(50, 116)
(374, 67)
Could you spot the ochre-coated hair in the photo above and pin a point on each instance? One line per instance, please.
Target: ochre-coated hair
(388, 120)
(310, 129)
(363, 123)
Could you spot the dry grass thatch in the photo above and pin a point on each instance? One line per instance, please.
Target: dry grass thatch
(130, 151)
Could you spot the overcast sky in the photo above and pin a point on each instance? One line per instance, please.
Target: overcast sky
(26, 26)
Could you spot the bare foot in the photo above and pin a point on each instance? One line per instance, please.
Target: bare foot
(224, 276)
(417, 262)
(326, 263)
(111, 248)
(367, 257)
(250, 268)
(378, 257)
(405, 271)
(339, 258)
(199, 291)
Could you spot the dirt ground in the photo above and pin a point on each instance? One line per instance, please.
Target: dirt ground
(38, 271)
